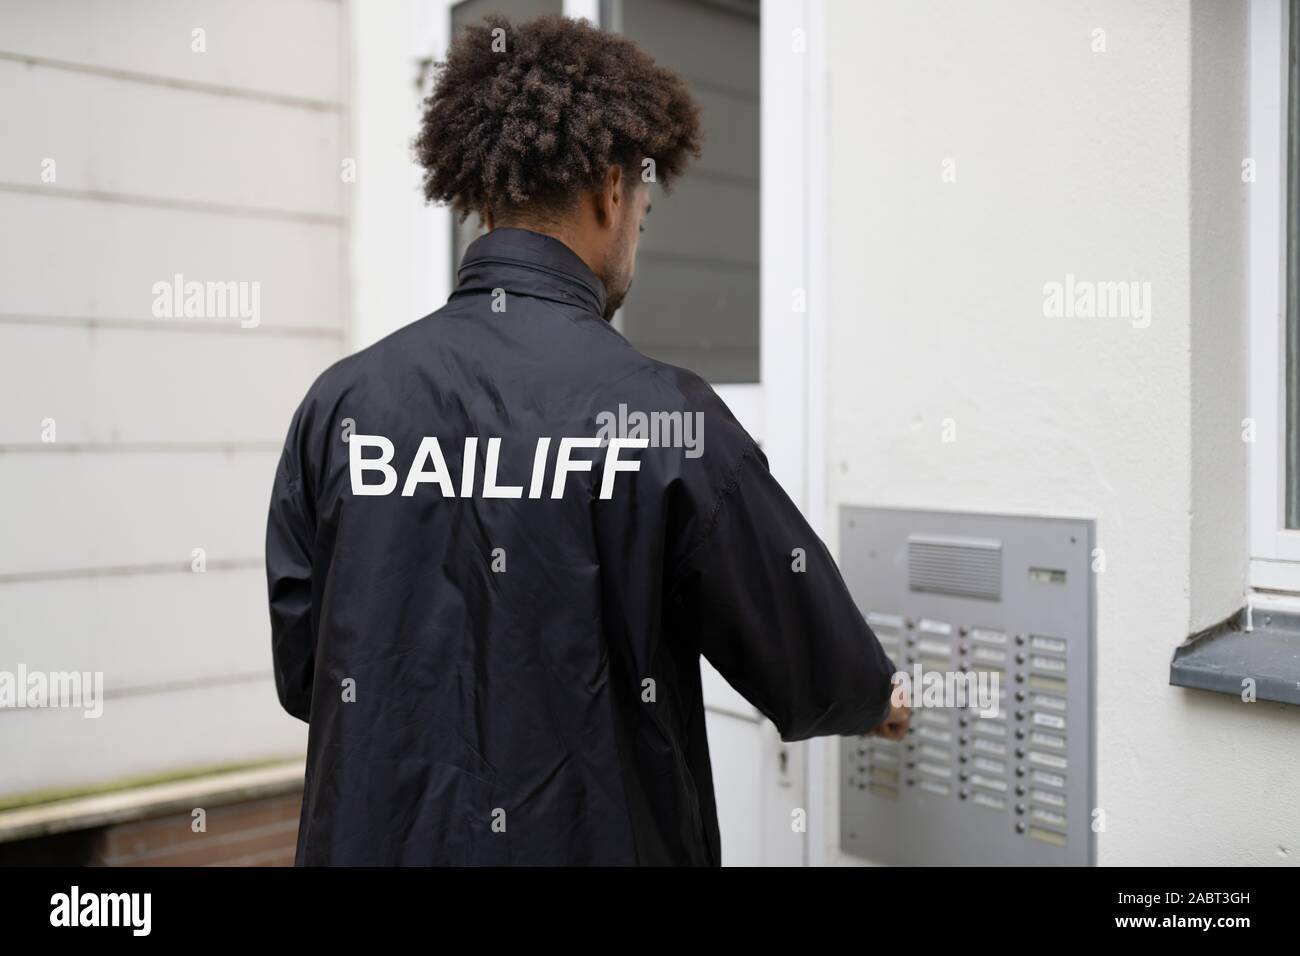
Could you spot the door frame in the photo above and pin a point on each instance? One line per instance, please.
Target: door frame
(793, 344)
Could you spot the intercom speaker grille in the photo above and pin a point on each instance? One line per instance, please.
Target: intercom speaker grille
(964, 567)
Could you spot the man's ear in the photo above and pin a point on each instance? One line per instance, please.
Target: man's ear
(609, 197)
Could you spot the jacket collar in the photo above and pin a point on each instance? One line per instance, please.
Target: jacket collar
(530, 263)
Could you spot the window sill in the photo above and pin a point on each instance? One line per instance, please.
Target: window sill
(1223, 657)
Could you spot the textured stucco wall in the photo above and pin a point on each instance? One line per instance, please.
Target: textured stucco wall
(1120, 165)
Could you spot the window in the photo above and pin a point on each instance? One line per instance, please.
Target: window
(462, 14)
(1292, 287)
(695, 299)
(1274, 289)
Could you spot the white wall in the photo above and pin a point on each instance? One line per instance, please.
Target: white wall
(1115, 165)
(222, 165)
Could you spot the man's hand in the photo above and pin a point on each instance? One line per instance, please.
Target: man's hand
(894, 727)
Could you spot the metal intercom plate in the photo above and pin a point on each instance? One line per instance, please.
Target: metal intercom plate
(974, 598)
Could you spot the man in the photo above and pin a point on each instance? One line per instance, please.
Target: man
(490, 613)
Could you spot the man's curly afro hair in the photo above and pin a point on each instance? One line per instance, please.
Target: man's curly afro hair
(527, 127)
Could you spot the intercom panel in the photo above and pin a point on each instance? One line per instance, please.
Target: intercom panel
(991, 619)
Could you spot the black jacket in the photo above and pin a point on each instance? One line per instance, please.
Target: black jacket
(515, 680)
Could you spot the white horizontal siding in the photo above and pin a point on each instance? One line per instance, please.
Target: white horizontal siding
(142, 630)
(144, 734)
(146, 142)
(223, 167)
(75, 510)
(87, 259)
(157, 387)
(282, 47)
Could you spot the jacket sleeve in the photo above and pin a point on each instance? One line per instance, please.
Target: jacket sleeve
(289, 535)
(772, 613)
